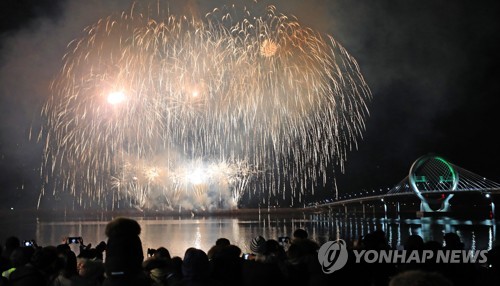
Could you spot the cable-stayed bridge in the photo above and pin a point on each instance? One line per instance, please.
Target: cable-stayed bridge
(434, 181)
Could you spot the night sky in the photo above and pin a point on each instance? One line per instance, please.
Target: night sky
(432, 66)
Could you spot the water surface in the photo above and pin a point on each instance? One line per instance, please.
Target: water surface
(179, 233)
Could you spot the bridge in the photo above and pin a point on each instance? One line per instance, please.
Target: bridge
(433, 180)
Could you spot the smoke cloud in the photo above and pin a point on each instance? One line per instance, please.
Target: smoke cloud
(420, 59)
(31, 57)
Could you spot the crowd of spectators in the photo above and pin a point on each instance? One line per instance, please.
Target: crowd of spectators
(120, 261)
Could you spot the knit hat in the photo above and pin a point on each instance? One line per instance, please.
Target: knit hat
(124, 253)
(256, 244)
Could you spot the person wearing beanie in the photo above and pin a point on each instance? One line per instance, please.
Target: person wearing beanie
(256, 244)
(124, 254)
(259, 270)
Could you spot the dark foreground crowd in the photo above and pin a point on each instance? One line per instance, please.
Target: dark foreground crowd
(269, 263)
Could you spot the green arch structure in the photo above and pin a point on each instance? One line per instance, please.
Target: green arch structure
(414, 180)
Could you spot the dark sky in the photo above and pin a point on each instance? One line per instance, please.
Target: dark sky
(432, 66)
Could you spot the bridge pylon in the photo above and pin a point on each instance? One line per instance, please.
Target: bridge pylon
(433, 180)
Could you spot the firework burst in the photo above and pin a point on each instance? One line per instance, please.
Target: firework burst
(145, 104)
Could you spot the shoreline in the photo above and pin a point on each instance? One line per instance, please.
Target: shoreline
(135, 213)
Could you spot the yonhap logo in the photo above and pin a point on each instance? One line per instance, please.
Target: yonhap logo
(332, 256)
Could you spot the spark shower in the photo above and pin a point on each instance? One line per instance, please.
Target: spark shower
(159, 111)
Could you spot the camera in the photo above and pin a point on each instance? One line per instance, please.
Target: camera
(284, 239)
(28, 242)
(74, 239)
(151, 252)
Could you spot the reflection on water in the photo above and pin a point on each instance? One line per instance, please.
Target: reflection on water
(178, 234)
